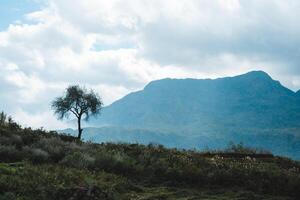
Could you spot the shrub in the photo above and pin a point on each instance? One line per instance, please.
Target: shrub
(9, 196)
(9, 153)
(7, 121)
(54, 146)
(39, 156)
(241, 149)
(3, 118)
(78, 160)
(112, 161)
(12, 139)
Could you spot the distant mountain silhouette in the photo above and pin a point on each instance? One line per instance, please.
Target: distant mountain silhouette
(199, 113)
(246, 101)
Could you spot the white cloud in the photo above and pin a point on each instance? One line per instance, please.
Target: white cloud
(39, 120)
(118, 46)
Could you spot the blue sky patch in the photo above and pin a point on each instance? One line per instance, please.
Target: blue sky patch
(12, 11)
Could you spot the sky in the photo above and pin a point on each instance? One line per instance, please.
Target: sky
(116, 47)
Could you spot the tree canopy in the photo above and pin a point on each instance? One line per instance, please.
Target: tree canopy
(77, 101)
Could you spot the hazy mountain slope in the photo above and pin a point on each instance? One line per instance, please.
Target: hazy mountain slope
(252, 100)
(298, 93)
(190, 113)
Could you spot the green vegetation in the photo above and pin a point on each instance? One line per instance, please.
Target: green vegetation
(79, 102)
(36, 164)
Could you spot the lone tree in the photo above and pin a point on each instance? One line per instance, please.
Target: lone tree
(78, 101)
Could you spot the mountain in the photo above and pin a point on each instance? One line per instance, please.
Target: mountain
(206, 113)
(246, 101)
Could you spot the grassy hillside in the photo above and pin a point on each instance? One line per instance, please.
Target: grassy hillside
(35, 165)
(280, 142)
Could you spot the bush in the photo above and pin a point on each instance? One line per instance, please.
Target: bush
(39, 156)
(54, 146)
(9, 196)
(242, 149)
(117, 162)
(11, 140)
(7, 121)
(9, 153)
(78, 160)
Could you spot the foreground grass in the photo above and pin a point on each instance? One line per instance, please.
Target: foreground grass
(24, 181)
(40, 165)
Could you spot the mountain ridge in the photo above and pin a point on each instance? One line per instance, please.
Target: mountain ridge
(206, 113)
(202, 98)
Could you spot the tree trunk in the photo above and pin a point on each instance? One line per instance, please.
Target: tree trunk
(79, 128)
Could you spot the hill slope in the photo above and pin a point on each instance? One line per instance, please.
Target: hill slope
(35, 165)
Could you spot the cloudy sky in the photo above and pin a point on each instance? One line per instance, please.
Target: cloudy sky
(118, 46)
